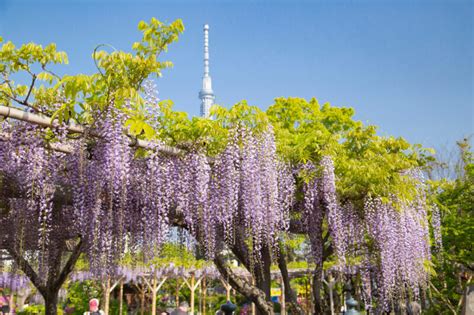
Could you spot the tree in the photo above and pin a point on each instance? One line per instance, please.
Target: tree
(321, 144)
(366, 166)
(453, 237)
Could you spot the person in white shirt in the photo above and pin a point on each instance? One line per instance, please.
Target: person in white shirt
(94, 308)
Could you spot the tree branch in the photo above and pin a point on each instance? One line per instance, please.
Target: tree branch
(290, 297)
(27, 269)
(69, 264)
(33, 80)
(242, 286)
(297, 226)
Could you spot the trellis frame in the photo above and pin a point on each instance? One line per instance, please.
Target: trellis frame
(18, 114)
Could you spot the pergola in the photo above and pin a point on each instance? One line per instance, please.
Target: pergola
(152, 279)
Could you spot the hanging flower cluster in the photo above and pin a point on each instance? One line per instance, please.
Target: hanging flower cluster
(101, 188)
(31, 175)
(244, 188)
(313, 212)
(386, 243)
(400, 238)
(436, 224)
(14, 282)
(120, 201)
(117, 202)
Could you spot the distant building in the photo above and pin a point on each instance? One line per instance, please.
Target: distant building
(206, 94)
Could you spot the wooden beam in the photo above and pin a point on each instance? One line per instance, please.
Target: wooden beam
(18, 114)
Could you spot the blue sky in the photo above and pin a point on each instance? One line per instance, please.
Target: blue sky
(406, 66)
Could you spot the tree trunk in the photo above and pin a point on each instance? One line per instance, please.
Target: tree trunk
(254, 294)
(56, 275)
(290, 296)
(262, 272)
(50, 302)
(317, 286)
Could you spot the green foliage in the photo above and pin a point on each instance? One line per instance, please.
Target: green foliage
(178, 255)
(115, 306)
(78, 97)
(36, 309)
(366, 164)
(454, 264)
(80, 293)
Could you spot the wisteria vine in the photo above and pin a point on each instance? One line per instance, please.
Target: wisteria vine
(120, 200)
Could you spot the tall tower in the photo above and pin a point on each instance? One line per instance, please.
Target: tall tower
(206, 94)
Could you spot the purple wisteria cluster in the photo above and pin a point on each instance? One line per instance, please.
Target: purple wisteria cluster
(400, 240)
(119, 200)
(30, 177)
(138, 273)
(244, 187)
(386, 243)
(436, 224)
(13, 281)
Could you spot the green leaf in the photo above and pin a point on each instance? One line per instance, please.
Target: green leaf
(45, 76)
(149, 131)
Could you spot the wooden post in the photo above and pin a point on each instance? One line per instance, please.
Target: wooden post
(176, 294)
(142, 302)
(200, 299)
(142, 290)
(121, 298)
(253, 304)
(311, 304)
(283, 305)
(192, 285)
(331, 284)
(192, 293)
(204, 295)
(11, 302)
(154, 287)
(227, 287)
(153, 296)
(106, 290)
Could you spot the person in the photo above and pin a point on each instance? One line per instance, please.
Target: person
(182, 309)
(94, 308)
(4, 303)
